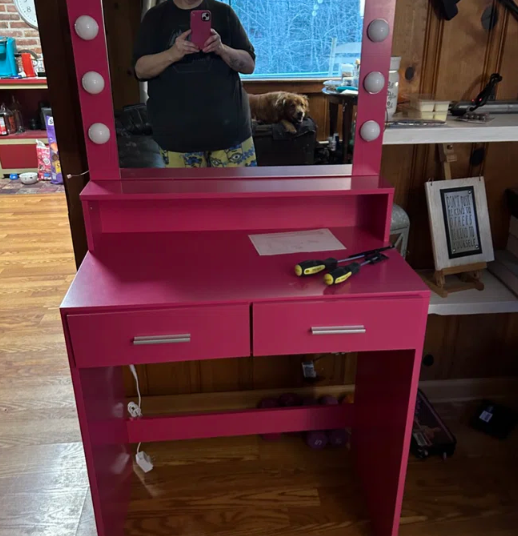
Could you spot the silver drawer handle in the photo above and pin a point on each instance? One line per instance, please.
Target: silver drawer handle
(339, 330)
(161, 339)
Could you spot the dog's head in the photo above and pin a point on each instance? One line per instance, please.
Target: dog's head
(294, 107)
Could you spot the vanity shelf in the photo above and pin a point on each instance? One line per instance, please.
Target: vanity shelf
(503, 128)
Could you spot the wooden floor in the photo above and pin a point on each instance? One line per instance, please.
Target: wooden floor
(229, 487)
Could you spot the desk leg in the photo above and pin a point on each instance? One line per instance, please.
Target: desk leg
(347, 125)
(99, 400)
(386, 388)
(333, 118)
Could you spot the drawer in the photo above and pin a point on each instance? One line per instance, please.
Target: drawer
(338, 326)
(183, 334)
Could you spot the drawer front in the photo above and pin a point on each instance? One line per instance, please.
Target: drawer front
(184, 334)
(337, 326)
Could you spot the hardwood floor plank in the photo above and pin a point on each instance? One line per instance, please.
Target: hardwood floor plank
(41, 514)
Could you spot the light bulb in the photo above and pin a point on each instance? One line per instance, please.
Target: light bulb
(99, 133)
(378, 30)
(370, 131)
(93, 83)
(86, 27)
(374, 82)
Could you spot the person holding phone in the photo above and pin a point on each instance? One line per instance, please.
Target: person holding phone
(197, 106)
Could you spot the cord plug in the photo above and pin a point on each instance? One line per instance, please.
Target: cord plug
(134, 410)
(144, 461)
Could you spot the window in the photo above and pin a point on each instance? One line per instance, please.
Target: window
(302, 38)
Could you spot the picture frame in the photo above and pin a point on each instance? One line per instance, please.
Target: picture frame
(459, 222)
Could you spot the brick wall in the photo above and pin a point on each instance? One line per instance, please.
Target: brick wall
(12, 25)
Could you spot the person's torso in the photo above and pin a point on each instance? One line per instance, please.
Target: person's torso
(198, 103)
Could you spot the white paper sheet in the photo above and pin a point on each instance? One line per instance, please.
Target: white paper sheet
(296, 242)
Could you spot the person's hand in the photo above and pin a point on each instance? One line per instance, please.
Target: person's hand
(182, 47)
(213, 43)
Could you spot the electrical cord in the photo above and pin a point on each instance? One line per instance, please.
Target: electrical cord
(133, 409)
(511, 6)
(483, 97)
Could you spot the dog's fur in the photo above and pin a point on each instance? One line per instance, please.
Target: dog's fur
(280, 107)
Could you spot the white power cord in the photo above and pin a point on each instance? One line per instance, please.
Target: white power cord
(135, 410)
(135, 375)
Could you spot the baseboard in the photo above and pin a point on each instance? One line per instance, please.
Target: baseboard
(470, 389)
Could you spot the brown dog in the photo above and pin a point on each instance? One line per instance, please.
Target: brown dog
(289, 109)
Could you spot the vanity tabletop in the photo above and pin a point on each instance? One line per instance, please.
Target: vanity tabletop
(137, 271)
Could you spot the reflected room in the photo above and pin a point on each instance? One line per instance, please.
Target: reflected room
(234, 83)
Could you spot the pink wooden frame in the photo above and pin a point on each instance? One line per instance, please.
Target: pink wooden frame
(103, 159)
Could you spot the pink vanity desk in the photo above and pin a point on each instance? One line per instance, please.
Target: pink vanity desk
(171, 275)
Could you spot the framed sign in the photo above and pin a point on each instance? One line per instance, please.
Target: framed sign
(459, 222)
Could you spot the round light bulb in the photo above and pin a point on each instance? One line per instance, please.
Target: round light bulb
(86, 27)
(93, 83)
(370, 131)
(374, 82)
(99, 133)
(378, 30)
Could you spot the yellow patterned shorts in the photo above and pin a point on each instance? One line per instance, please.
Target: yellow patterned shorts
(242, 155)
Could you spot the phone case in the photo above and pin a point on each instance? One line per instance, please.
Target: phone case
(201, 26)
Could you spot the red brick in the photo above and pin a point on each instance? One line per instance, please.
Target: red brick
(4, 25)
(12, 33)
(8, 16)
(6, 1)
(18, 24)
(2, 8)
(31, 33)
(12, 9)
(24, 43)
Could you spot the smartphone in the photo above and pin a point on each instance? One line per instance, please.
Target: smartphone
(201, 26)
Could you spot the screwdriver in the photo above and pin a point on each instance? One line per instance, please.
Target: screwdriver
(343, 273)
(307, 268)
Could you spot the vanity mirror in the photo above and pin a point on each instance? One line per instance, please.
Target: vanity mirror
(279, 52)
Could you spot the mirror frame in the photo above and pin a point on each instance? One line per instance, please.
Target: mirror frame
(103, 159)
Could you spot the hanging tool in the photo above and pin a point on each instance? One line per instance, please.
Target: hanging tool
(343, 273)
(307, 268)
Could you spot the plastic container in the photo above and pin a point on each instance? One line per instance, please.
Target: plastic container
(427, 103)
(8, 117)
(393, 86)
(348, 75)
(3, 126)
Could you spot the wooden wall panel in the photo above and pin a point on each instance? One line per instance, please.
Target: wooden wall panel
(247, 373)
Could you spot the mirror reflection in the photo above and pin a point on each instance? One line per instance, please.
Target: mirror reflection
(234, 83)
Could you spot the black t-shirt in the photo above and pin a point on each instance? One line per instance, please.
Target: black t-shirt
(197, 104)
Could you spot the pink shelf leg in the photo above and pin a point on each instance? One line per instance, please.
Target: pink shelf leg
(386, 388)
(99, 399)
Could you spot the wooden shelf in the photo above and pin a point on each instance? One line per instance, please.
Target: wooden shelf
(495, 298)
(29, 135)
(23, 83)
(503, 128)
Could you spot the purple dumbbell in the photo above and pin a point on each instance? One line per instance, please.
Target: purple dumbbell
(290, 400)
(269, 403)
(328, 400)
(309, 401)
(317, 440)
(338, 438)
